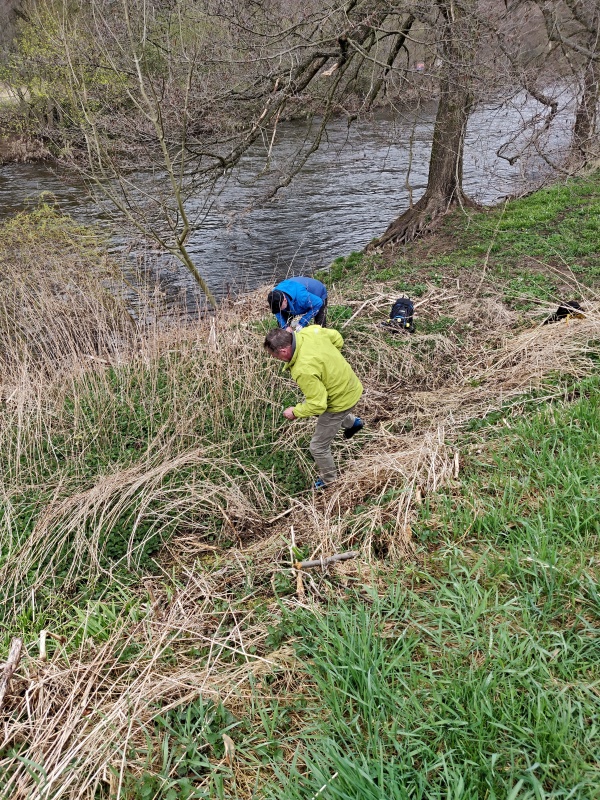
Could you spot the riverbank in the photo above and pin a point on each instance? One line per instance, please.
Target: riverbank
(17, 148)
(155, 503)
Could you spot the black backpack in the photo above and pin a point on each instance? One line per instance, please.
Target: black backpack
(565, 311)
(401, 315)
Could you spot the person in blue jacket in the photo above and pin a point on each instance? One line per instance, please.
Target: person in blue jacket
(299, 297)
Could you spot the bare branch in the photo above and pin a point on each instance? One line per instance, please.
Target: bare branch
(10, 667)
(325, 562)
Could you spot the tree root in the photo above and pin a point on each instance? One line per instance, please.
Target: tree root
(422, 218)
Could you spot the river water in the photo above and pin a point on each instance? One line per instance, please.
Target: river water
(352, 187)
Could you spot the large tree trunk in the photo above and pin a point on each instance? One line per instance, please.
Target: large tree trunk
(586, 146)
(444, 184)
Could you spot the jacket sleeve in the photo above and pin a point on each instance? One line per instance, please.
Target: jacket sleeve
(335, 337)
(280, 321)
(315, 394)
(306, 300)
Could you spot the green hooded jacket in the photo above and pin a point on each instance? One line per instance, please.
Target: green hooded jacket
(322, 372)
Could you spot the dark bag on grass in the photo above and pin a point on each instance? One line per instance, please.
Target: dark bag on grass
(566, 311)
(401, 315)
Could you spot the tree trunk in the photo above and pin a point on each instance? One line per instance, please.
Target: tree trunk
(444, 183)
(585, 136)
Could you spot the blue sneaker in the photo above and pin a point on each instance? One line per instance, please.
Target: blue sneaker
(358, 426)
(319, 484)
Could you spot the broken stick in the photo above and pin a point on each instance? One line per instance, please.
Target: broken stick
(356, 313)
(10, 667)
(325, 562)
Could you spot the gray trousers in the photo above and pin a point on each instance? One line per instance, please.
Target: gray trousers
(328, 424)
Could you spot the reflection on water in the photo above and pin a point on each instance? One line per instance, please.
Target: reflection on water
(351, 188)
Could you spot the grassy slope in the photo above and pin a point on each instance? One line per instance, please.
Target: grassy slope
(535, 247)
(473, 671)
(469, 669)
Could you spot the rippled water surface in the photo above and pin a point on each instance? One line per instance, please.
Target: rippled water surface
(347, 193)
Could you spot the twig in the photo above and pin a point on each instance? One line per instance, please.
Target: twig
(325, 562)
(279, 516)
(57, 637)
(489, 250)
(10, 666)
(356, 313)
(436, 297)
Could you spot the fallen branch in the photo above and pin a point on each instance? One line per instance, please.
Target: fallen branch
(356, 313)
(325, 562)
(442, 296)
(10, 667)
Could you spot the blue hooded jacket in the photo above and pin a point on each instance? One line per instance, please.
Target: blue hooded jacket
(305, 296)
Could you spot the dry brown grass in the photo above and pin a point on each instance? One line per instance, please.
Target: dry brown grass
(80, 714)
(62, 301)
(86, 711)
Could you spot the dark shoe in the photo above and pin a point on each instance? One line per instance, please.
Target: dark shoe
(358, 426)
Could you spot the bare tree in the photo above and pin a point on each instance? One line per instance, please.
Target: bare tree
(457, 39)
(165, 99)
(573, 26)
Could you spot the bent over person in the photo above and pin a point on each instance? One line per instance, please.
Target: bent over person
(331, 389)
(299, 297)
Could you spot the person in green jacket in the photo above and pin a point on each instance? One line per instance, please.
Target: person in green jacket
(331, 389)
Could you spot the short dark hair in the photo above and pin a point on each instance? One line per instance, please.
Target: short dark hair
(275, 300)
(277, 339)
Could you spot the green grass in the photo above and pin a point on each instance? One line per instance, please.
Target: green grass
(557, 228)
(440, 325)
(561, 221)
(355, 269)
(522, 287)
(188, 738)
(476, 673)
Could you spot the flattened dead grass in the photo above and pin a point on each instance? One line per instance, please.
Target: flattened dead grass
(79, 717)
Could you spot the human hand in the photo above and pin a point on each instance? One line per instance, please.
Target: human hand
(289, 413)
(289, 329)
